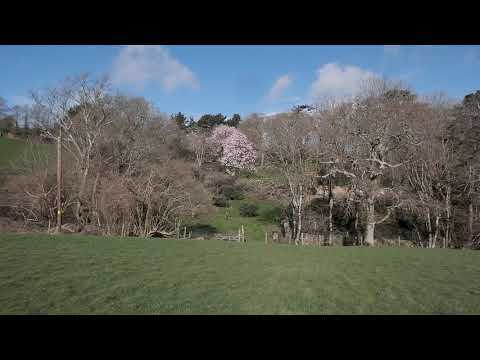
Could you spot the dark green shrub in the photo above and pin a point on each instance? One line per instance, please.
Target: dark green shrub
(273, 215)
(248, 210)
(221, 201)
(232, 192)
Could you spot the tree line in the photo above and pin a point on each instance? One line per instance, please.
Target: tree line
(384, 157)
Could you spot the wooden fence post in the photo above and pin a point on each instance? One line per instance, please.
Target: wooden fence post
(266, 237)
(177, 228)
(243, 234)
(185, 232)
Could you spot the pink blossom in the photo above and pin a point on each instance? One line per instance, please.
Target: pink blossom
(235, 151)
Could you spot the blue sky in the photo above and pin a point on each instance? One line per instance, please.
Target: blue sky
(239, 79)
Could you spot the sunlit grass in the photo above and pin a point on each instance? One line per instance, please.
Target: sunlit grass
(95, 275)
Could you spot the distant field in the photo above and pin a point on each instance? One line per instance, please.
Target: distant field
(93, 275)
(10, 149)
(254, 227)
(13, 149)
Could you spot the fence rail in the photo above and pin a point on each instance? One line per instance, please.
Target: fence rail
(240, 237)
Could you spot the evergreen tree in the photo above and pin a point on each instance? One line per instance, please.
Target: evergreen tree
(180, 120)
(209, 121)
(234, 121)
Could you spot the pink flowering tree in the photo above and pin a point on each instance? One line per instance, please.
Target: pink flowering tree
(233, 149)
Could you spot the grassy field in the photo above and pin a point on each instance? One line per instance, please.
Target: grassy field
(92, 275)
(254, 227)
(13, 149)
(9, 150)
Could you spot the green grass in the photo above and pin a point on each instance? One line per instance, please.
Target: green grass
(266, 174)
(92, 275)
(10, 149)
(13, 149)
(254, 227)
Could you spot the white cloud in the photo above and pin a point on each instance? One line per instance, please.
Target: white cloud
(391, 49)
(139, 65)
(279, 87)
(338, 81)
(272, 113)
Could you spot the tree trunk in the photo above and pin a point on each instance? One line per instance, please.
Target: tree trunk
(429, 229)
(81, 193)
(330, 213)
(370, 231)
(447, 207)
(418, 236)
(59, 182)
(437, 228)
(147, 226)
(294, 229)
(299, 228)
(369, 235)
(357, 235)
(94, 198)
(470, 220)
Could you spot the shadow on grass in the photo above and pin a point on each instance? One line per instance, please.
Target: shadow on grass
(270, 216)
(203, 230)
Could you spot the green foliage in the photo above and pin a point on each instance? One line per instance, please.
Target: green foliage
(248, 210)
(300, 108)
(271, 215)
(400, 95)
(229, 220)
(234, 121)
(180, 120)
(209, 121)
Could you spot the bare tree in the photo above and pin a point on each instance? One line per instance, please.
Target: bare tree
(289, 151)
(331, 157)
(428, 177)
(255, 127)
(34, 187)
(199, 145)
(464, 131)
(3, 107)
(161, 197)
(80, 109)
(381, 141)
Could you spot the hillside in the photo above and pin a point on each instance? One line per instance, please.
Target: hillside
(10, 149)
(13, 149)
(91, 275)
(229, 220)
